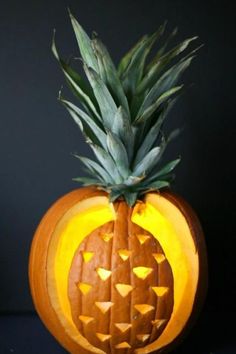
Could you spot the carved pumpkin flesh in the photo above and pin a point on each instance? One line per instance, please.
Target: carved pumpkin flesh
(107, 278)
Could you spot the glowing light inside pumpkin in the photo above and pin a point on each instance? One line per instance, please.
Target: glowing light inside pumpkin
(160, 290)
(107, 237)
(87, 256)
(124, 254)
(84, 288)
(158, 216)
(123, 327)
(123, 345)
(83, 219)
(143, 238)
(104, 306)
(159, 257)
(168, 225)
(158, 323)
(124, 289)
(104, 274)
(142, 272)
(103, 337)
(86, 319)
(143, 337)
(144, 308)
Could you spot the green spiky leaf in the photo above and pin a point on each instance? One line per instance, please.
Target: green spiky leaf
(145, 114)
(109, 73)
(113, 195)
(154, 186)
(130, 197)
(123, 129)
(107, 162)
(134, 70)
(153, 133)
(118, 153)
(145, 166)
(169, 167)
(75, 83)
(94, 130)
(105, 101)
(159, 64)
(125, 61)
(96, 169)
(85, 45)
(124, 111)
(162, 50)
(164, 84)
(86, 181)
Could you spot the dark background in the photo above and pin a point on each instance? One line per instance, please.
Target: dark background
(37, 137)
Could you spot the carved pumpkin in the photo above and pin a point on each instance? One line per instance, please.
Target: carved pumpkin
(110, 276)
(120, 266)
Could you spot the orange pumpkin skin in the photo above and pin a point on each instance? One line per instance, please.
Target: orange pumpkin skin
(38, 277)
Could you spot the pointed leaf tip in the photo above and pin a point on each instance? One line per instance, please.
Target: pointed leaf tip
(69, 11)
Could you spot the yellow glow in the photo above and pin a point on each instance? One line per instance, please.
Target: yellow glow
(104, 274)
(144, 308)
(123, 327)
(86, 319)
(168, 225)
(143, 238)
(160, 290)
(124, 289)
(84, 288)
(75, 225)
(87, 256)
(104, 306)
(159, 257)
(103, 337)
(142, 337)
(156, 215)
(123, 345)
(158, 323)
(124, 254)
(107, 237)
(142, 272)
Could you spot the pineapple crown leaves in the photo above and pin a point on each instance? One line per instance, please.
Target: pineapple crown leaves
(122, 111)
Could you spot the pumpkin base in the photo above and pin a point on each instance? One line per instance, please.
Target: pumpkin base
(63, 230)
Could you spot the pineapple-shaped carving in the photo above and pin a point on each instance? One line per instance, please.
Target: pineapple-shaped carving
(119, 266)
(120, 286)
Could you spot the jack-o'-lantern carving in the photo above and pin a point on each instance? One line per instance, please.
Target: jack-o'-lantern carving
(119, 266)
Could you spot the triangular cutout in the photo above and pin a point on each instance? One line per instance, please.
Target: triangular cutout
(123, 289)
(144, 308)
(104, 306)
(142, 272)
(87, 256)
(107, 236)
(159, 257)
(160, 290)
(143, 238)
(158, 323)
(123, 327)
(86, 319)
(142, 337)
(103, 273)
(103, 337)
(84, 287)
(123, 345)
(124, 254)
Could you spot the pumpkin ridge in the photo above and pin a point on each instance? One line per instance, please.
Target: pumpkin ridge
(130, 265)
(116, 207)
(81, 297)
